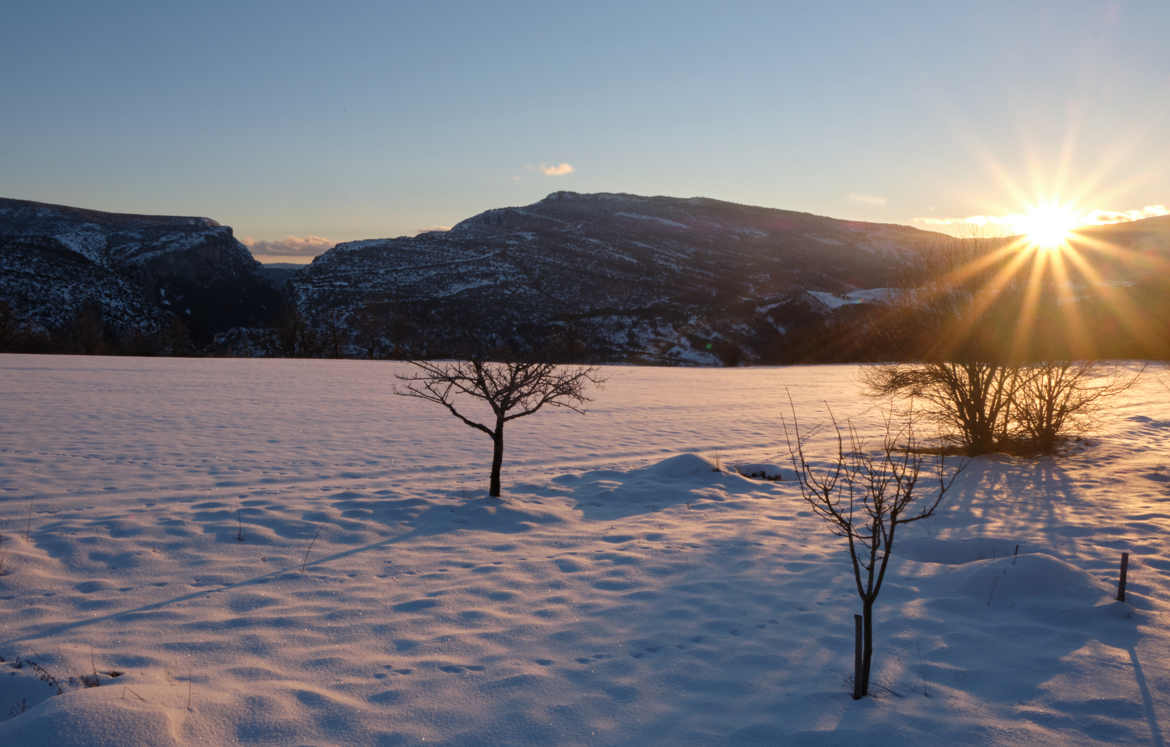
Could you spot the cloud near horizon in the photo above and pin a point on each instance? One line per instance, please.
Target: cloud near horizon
(556, 169)
(1006, 225)
(1109, 217)
(289, 247)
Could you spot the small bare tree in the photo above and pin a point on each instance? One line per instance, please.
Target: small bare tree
(511, 390)
(865, 498)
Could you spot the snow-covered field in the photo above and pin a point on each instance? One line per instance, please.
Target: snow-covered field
(621, 592)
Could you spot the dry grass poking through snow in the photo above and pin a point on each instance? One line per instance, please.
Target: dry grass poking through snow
(623, 591)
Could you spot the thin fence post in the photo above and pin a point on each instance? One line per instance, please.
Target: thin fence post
(857, 657)
(1121, 580)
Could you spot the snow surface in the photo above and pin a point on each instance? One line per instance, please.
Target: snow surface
(624, 591)
(171, 243)
(864, 295)
(87, 239)
(826, 240)
(653, 218)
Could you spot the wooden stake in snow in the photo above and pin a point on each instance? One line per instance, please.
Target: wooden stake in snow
(1121, 581)
(858, 659)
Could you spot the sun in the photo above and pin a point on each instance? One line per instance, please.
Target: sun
(1049, 226)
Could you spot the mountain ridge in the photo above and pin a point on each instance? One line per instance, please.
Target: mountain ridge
(575, 276)
(75, 272)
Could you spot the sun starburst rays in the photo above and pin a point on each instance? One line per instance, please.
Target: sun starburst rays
(1058, 283)
(1029, 296)
(1023, 332)
(1123, 308)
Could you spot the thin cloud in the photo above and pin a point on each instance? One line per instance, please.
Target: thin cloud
(865, 199)
(290, 247)
(1013, 223)
(556, 169)
(1108, 217)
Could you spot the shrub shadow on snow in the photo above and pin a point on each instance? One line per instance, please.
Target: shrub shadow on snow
(1043, 506)
(1017, 630)
(1027, 501)
(974, 616)
(686, 479)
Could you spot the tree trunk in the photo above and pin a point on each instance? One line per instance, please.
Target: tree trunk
(497, 460)
(867, 614)
(984, 442)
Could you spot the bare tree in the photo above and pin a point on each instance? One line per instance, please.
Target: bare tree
(865, 498)
(511, 390)
(1056, 396)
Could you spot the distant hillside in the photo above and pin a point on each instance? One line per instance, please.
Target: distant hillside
(87, 280)
(606, 276)
(279, 273)
(590, 277)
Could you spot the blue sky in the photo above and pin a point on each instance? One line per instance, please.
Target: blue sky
(353, 120)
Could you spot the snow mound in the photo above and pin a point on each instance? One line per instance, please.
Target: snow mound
(682, 467)
(956, 552)
(1033, 580)
(95, 717)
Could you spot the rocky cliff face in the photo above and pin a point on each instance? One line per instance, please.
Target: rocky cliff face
(606, 276)
(133, 275)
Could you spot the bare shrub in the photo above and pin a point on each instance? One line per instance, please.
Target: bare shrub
(511, 390)
(996, 406)
(1058, 397)
(971, 401)
(865, 497)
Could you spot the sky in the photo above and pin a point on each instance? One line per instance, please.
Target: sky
(305, 124)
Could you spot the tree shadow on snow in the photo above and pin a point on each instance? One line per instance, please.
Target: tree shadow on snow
(421, 517)
(417, 518)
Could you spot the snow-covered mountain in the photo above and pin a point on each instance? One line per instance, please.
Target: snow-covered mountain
(607, 277)
(597, 277)
(126, 276)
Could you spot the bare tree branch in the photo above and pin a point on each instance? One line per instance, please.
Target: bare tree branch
(510, 390)
(864, 497)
